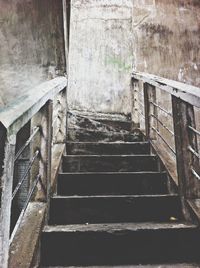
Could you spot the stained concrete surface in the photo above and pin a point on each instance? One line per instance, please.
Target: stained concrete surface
(166, 39)
(100, 55)
(31, 45)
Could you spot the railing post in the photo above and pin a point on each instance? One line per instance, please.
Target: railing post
(43, 120)
(183, 117)
(149, 108)
(6, 198)
(59, 118)
(135, 105)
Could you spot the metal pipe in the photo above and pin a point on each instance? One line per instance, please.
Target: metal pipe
(35, 130)
(162, 124)
(162, 109)
(158, 133)
(195, 174)
(194, 130)
(25, 174)
(25, 206)
(194, 152)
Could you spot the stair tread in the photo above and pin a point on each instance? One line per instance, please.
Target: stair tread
(115, 196)
(118, 227)
(108, 142)
(181, 265)
(109, 155)
(113, 173)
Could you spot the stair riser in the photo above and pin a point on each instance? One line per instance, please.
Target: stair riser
(113, 209)
(109, 163)
(117, 248)
(117, 124)
(102, 184)
(96, 136)
(109, 149)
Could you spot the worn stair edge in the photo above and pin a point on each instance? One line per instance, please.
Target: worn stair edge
(172, 265)
(128, 244)
(114, 156)
(114, 208)
(114, 173)
(176, 196)
(118, 227)
(112, 183)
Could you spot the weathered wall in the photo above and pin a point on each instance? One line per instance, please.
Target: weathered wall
(31, 45)
(100, 55)
(167, 38)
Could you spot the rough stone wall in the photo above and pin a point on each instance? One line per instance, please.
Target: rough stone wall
(31, 45)
(100, 55)
(166, 37)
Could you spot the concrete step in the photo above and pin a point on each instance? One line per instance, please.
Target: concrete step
(138, 183)
(82, 135)
(110, 148)
(112, 208)
(120, 244)
(166, 265)
(91, 123)
(110, 163)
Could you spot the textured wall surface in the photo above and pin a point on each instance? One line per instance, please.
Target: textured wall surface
(100, 56)
(31, 45)
(166, 37)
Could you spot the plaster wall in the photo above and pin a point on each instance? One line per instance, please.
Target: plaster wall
(100, 55)
(166, 38)
(31, 45)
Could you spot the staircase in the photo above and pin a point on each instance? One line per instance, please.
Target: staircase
(113, 206)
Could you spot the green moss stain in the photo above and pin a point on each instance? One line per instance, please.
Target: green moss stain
(118, 64)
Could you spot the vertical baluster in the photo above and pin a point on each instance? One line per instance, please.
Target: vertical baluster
(135, 106)
(150, 96)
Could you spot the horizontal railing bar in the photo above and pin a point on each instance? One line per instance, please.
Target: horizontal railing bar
(158, 133)
(194, 152)
(35, 131)
(185, 92)
(38, 178)
(25, 174)
(162, 124)
(195, 174)
(194, 130)
(162, 109)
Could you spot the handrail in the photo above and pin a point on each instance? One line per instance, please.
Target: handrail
(171, 127)
(187, 93)
(31, 117)
(17, 114)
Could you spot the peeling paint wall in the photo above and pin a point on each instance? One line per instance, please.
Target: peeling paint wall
(100, 55)
(31, 45)
(166, 38)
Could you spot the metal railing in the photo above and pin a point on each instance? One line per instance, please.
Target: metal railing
(167, 112)
(44, 111)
